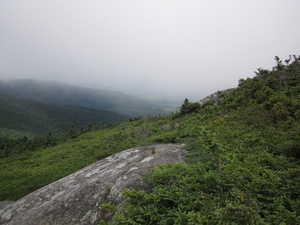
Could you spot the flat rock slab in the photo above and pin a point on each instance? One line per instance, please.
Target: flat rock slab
(76, 199)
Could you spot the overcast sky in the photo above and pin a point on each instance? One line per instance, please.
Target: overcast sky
(185, 48)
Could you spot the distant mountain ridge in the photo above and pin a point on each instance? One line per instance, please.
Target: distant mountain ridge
(22, 117)
(55, 93)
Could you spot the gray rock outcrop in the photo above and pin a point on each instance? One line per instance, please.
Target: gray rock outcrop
(215, 96)
(76, 199)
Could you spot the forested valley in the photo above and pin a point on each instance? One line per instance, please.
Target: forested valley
(242, 165)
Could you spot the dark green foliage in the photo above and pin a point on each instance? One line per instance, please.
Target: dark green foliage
(20, 146)
(189, 107)
(270, 89)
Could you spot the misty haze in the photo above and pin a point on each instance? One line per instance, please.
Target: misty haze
(167, 49)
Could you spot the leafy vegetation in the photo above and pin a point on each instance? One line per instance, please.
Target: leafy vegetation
(242, 166)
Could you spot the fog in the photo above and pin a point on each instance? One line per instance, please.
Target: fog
(165, 48)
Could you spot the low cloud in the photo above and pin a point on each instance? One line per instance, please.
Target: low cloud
(168, 48)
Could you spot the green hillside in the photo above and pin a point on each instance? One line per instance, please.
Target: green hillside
(60, 94)
(242, 166)
(20, 117)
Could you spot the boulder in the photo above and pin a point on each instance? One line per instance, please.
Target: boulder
(76, 199)
(217, 97)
